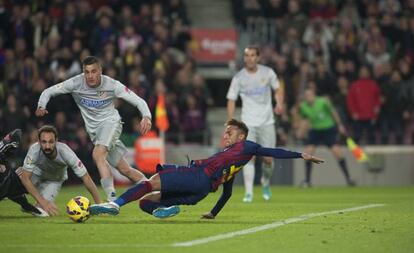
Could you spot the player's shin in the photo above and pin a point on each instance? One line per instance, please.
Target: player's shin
(267, 172)
(134, 193)
(108, 187)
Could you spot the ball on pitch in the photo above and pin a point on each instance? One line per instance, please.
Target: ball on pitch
(78, 209)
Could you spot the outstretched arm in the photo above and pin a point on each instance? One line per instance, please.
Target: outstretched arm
(121, 91)
(58, 89)
(280, 153)
(225, 196)
(49, 207)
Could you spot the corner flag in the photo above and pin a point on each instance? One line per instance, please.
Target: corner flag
(356, 150)
(161, 119)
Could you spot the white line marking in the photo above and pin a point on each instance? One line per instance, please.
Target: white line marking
(269, 226)
(198, 241)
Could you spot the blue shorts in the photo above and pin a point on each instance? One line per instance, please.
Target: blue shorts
(181, 185)
(322, 137)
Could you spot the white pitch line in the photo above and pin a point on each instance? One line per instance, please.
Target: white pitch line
(198, 241)
(269, 226)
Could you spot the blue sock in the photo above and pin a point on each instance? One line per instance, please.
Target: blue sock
(148, 206)
(134, 193)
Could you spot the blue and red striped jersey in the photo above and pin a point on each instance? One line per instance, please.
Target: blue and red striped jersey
(224, 165)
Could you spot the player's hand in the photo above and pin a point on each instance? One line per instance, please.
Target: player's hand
(49, 207)
(311, 158)
(40, 112)
(278, 109)
(145, 125)
(208, 215)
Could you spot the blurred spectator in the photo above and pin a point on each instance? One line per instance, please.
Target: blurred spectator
(407, 103)
(317, 37)
(14, 115)
(324, 9)
(193, 120)
(364, 102)
(339, 100)
(129, 40)
(349, 9)
(325, 81)
(103, 33)
(295, 17)
(391, 116)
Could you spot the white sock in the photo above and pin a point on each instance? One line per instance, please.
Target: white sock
(108, 187)
(248, 176)
(267, 171)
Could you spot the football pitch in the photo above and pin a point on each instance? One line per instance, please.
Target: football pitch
(320, 219)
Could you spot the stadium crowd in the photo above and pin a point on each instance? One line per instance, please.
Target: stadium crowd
(141, 43)
(360, 54)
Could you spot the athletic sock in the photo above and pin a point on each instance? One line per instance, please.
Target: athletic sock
(149, 206)
(108, 187)
(308, 171)
(135, 192)
(267, 171)
(248, 176)
(344, 168)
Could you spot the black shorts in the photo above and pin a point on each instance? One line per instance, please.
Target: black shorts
(11, 186)
(326, 137)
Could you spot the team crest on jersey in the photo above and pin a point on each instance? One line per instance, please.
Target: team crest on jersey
(264, 80)
(101, 94)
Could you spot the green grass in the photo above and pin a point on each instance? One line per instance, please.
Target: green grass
(382, 229)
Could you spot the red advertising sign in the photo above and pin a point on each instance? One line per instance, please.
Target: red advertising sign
(214, 45)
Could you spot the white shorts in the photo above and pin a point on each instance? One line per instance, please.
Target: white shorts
(108, 134)
(263, 135)
(47, 189)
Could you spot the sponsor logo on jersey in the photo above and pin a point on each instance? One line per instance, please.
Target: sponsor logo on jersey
(94, 103)
(256, 91)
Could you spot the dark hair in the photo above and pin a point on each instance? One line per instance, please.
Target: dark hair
(89, 60)
(47, 129)
(254, 47)
(240, 125)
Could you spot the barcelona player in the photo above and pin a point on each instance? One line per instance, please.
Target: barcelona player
(175, 185)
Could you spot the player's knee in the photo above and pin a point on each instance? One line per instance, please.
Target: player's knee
(99, 153)
(268, 160)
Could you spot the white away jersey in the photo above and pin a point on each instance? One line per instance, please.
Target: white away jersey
(96, 104)
(56, 169)
(256, 95)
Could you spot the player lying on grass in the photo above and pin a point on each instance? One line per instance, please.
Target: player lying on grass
(10, 185)
(175, 185)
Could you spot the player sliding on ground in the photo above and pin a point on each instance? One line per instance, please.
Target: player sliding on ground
(175, 185)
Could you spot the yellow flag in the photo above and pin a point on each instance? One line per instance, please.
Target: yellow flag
(356, 150)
